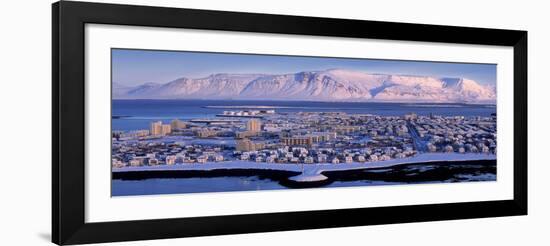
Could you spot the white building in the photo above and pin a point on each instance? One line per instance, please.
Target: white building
(373, 158)
(202, 159)
(117, 163)
(153, 161)
(349, 159)
(431, 147)
(171, 160)
(321, 158)
(135, 162)
(218, 158)
(384, 157)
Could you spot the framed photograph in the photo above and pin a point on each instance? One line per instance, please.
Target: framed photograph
(176, 122)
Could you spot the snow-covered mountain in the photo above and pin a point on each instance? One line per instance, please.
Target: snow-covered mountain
(329, 85)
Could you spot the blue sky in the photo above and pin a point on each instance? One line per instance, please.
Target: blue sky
(134, 67)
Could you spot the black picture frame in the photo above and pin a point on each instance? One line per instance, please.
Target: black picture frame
(68, 122)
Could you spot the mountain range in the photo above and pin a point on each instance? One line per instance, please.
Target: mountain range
(328, 85)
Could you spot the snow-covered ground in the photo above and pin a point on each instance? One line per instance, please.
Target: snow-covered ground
(312, 172)
(307, 177)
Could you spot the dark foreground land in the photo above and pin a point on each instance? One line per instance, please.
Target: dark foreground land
(433, 172)
(481, 170)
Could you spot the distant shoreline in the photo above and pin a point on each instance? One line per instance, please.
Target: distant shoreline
(120, 116)
(247, 106)
(301, 100)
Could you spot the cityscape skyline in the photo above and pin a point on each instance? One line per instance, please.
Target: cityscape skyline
(298, 149)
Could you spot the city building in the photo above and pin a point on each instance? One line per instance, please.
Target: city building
(245, 134)
(166, 130)
(177, 124)
(218, 158)
(373, 158)
(349, 159)
(321, 158)
(346, 129)
(206, 133)
(411, 116)
(431, 147)
(297, 140)
(117, 163)
(156, 128)
(153, 162)
(135, 163)
(202, 159)
(170, 160)
(159, 129)
(254, 125)
(133, 134)
(247, 145)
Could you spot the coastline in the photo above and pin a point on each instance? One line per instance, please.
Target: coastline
(313, 175)
(312, 168)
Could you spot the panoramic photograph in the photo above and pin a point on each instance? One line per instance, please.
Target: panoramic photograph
(195, 122)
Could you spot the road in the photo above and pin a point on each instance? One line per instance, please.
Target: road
(419, 144)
